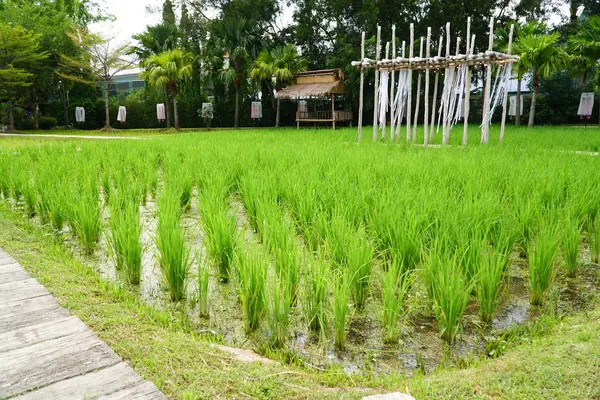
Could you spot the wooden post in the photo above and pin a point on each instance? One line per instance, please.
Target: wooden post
(426, 116)
(414, 139)
(446, 92)
(485, 126)
(362, 86)
(467, 104)
(376, 101)
(392, 85)
(505, 98)
(409, 93)
(333, 110)
(387, 55)
(467, 87)
(435, 92)
(398, 128)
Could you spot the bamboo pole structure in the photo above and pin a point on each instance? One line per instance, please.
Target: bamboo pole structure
(383, 126)
(485, 126)
(362, 86)
(377, 50)
(409, 94)
(416, 119)
(467, 104)
(446, 92)
(435, 92)
(426, 116)
(505, 98)
(392, 85)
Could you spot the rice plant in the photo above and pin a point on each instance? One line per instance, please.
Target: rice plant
(316, 294)
(542, 258)
(571, 236)
(85, 215)
(449, 291)
(220, 228)
(488, 281)
(278, 313)
(360, 262)
(395, 285)
(593, 230)
(125, 236)
(340, 308)
(252, 272)
(203, 281)
(173, 253)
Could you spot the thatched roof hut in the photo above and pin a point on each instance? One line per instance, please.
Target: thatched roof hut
(320, 83)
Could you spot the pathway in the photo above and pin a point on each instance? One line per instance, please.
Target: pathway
(45, 353)
(45, 135)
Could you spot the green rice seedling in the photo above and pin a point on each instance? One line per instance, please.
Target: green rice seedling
(186, 186)
(593, 230)
(316, 292)
(360, 263)
(526, 215)
(220, 228)
(571, 236)
(337, 236)
(340, 308)
(449, 290)
(173, 254)
(395, 285)
(541, 264)
(125, 236)
(85, 215)
(30, 197)
(488, 281)
(106, 185)
(203, 281)
(278, 313)
(252, 272)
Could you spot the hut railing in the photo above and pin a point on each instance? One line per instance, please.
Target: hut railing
(323, 116)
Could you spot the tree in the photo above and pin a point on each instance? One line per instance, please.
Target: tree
(19, 51)
(101, 61)
(279, 64)
(541, 55)
(168, 15)
(165, 70)
(584, 46)
(235, 39)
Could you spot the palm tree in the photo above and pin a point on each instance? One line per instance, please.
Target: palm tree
(585, 46)
(165, 70)
(541, 55)
(155, 40)
(280, 63)
(236, 39)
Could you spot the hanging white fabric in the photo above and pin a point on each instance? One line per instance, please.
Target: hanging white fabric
(160, 112)
(586, 104)
(500, 88)
(207, 110)
(512, 106)
(80, 115)
(122, 115)
(383, 96)
(256, 111)
(302, 106)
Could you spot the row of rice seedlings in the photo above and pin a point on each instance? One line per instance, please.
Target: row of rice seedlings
(360, 264)
(203, 281)
(488, 280)
(125, 234)
(542, 258)
(395, 285)
(571, 236)
(85, 213)
(252, 274)
(174, 255)
(593, 230)
(316, 294)
(220, 228)
(279, 307)
(340, 307)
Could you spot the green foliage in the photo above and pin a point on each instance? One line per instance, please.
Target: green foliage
(542, 260)
(125, 233)
(340, 308)
(571, 236)
(252, 274)
(395, 285)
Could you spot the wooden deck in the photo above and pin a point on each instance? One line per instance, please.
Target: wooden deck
(45, 353)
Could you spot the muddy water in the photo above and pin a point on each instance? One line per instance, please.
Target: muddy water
(419, 347)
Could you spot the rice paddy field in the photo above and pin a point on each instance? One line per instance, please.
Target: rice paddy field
(373, 258)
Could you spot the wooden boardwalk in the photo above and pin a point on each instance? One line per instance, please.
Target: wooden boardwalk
(45, 353)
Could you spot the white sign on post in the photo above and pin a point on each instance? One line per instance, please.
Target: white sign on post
(586, 104)
(512, 106)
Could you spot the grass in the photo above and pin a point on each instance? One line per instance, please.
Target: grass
(488, 281)
(571, 237)
(340, 308)
(124, 237)
(395, 285)
(252, 275)
(278, 314)
(203, 282)
(84, 214)
(542, 260)
(317, 293)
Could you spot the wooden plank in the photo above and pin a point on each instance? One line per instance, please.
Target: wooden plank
(21, 290)
(7, 260)
(29, 312)
(51, 361)
(32, 334)
(8, 268)
(141, 391)
(103, 382)
(13, 276)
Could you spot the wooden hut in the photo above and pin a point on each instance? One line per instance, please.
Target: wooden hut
(325, 83)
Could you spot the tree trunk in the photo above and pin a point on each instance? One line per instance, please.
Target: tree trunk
(107, 109)
(36, 111)
(237, 107)
(599, 95)
(536, 82)
(175, 112)
(11, 116)
(168, 108)
(277, 116)
(518, 112)
(65, 105)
